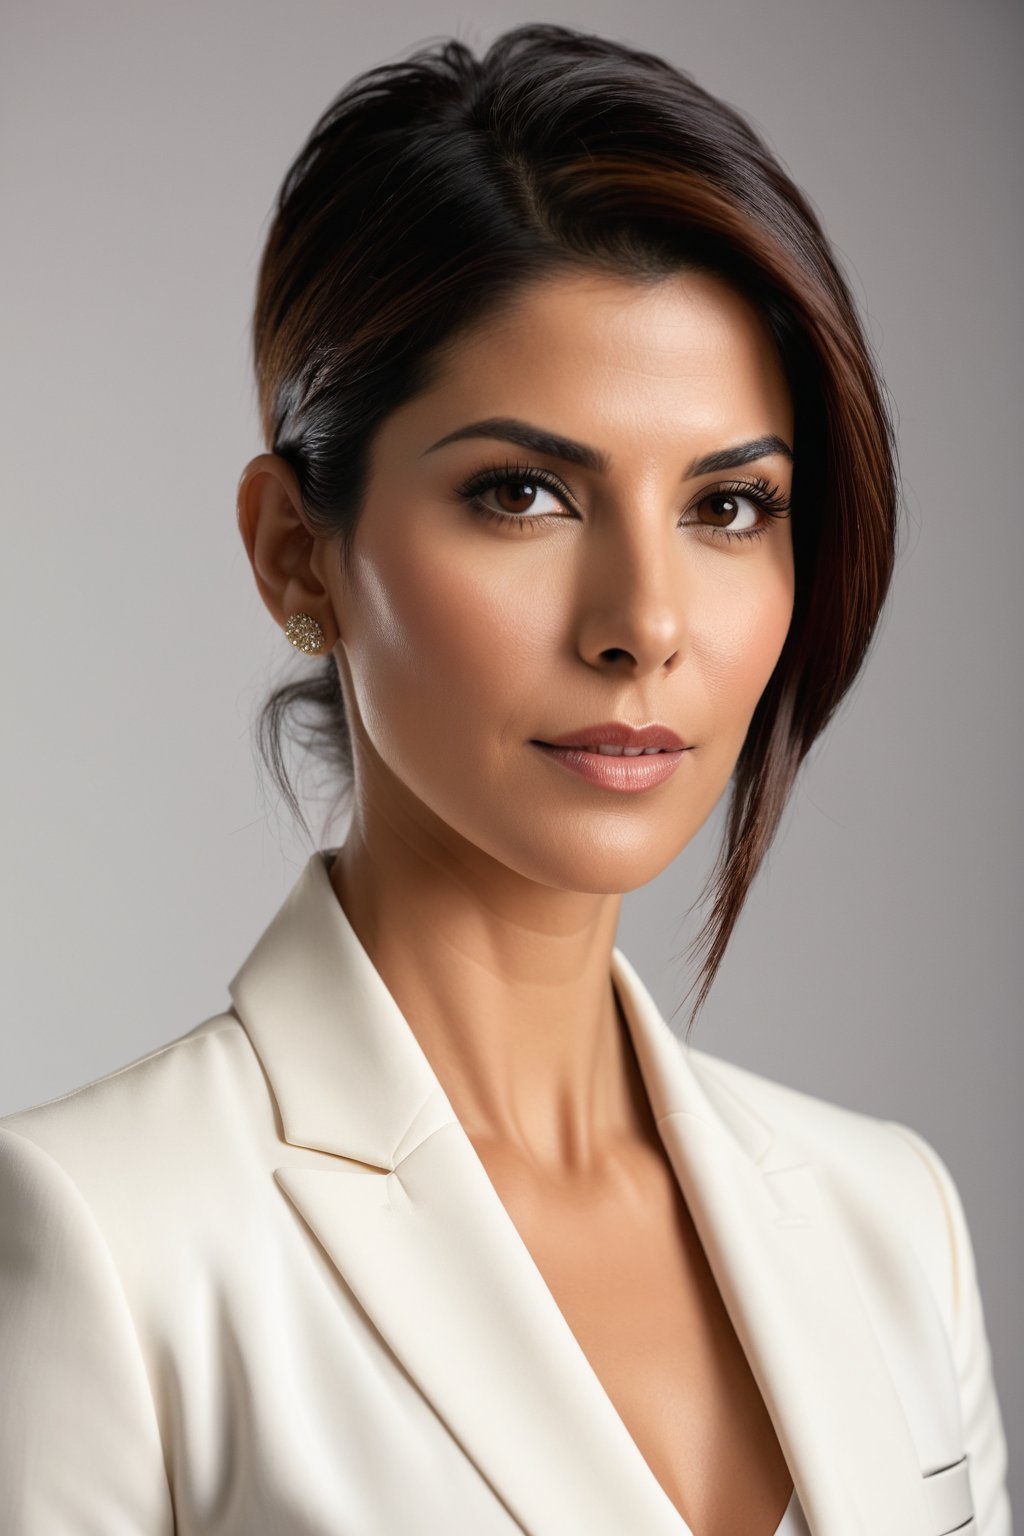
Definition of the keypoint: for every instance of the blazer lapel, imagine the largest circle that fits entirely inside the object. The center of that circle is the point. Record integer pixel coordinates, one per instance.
(403, 1207)
(405, 1210)
(780, 1266)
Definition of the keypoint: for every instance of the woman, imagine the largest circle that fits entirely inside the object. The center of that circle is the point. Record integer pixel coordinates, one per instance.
(580, 483)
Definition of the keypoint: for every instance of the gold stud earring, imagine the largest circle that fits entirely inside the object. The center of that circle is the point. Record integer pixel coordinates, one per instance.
(305, 634)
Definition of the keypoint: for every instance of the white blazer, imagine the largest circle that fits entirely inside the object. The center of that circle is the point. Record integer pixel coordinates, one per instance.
(258, 1283)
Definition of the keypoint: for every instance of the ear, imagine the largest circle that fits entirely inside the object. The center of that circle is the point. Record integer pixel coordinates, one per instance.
(284, 553)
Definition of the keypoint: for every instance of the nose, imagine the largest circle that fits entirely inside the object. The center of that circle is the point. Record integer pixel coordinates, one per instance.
(633, 597)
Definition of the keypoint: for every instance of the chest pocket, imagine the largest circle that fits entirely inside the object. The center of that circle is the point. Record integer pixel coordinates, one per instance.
(948, 1492)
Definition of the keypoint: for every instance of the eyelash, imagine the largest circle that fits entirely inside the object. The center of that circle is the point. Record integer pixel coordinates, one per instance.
(767, 497)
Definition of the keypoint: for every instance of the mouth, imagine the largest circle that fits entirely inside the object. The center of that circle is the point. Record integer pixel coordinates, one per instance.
(624, 769)
(610, 738)
(603, 749)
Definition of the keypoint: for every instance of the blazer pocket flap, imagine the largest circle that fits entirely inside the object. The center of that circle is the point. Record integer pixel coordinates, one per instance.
(948, 1492)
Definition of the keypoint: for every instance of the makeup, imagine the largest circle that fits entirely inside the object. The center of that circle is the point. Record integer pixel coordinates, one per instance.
(616, 772)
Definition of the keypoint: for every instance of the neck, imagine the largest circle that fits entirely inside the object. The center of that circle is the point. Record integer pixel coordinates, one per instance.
(507, 986)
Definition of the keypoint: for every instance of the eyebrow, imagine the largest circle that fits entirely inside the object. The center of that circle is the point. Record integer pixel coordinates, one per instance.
(510, 430)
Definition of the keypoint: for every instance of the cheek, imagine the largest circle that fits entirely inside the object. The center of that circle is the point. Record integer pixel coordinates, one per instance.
(737, 634)
(437, 647)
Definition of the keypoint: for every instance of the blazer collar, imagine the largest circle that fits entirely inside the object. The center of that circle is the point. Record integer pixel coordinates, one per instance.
(439, 1267)
(349, 1075)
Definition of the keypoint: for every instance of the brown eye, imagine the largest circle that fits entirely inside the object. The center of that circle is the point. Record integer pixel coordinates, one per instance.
(727, 509)
(515, 495)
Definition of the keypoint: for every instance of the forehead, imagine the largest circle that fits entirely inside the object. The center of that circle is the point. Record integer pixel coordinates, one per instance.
(686, 352)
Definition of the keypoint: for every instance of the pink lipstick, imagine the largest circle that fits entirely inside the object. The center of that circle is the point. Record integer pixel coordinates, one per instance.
(618, 756)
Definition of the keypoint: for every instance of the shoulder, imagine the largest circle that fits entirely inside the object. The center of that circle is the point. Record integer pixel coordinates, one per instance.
(213, 1058)
(882, 1179)
(168, 1127)
(834, 1135)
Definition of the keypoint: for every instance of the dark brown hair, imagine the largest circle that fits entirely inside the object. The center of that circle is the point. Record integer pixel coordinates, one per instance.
(428, 194)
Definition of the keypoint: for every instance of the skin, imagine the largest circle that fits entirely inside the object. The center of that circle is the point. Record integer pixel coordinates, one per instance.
(484, 879)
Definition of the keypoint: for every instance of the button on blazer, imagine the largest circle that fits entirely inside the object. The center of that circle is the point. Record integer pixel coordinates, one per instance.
(258, 1283)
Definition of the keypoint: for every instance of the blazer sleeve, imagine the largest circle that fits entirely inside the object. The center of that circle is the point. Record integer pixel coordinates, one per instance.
(80, 1449)
(984, 1438)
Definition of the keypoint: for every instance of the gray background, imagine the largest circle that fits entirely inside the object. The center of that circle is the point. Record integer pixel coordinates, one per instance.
(878, 961)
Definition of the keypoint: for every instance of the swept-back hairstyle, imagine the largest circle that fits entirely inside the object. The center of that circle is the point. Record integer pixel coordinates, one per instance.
(428, 194)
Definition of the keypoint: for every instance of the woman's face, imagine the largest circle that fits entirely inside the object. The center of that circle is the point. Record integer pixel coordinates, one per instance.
(502, 596)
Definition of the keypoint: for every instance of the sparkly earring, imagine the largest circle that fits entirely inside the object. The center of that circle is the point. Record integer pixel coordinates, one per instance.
(305, 634)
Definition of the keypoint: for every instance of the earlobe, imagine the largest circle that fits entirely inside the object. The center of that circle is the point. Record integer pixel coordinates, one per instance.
(280, 545)
(305, 634)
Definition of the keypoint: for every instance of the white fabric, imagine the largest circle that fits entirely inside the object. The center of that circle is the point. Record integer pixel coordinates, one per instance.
(258, 1283)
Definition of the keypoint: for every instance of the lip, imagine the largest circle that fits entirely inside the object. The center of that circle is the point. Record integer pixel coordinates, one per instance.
(642, 771)
(621, 773)
(614, 733)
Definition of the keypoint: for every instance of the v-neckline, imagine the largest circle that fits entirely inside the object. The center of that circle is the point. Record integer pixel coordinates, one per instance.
(630, 1446)
(478, 1330)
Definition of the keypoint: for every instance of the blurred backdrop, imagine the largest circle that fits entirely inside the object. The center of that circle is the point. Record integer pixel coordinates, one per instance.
(878, 962)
